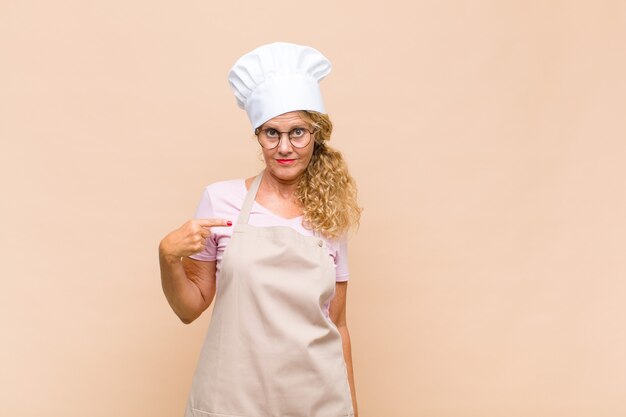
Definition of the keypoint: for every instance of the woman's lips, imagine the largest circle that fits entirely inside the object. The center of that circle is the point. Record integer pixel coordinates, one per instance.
(285, 161)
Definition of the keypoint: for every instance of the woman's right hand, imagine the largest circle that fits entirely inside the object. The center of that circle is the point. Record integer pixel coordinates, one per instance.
(190, 238)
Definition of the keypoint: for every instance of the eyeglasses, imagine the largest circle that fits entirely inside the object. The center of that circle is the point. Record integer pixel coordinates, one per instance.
(269, 138)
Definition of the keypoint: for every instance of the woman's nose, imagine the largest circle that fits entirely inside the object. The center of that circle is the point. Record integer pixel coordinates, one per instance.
(284, 146)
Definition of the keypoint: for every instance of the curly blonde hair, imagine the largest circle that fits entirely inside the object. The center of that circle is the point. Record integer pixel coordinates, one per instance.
(326, 190)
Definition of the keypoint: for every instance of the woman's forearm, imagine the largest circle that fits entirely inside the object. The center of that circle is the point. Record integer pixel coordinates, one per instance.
(347, 355)
(182, 294)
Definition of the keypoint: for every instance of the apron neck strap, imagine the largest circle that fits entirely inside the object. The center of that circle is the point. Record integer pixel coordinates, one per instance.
(247, 203)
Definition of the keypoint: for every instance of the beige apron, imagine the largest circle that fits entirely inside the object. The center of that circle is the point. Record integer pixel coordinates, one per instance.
(270, 351)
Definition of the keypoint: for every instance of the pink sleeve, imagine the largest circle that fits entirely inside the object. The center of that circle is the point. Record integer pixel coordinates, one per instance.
(205, 211)
(341, 260)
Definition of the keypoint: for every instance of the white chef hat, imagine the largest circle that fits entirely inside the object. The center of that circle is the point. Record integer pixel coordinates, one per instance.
(278, 78)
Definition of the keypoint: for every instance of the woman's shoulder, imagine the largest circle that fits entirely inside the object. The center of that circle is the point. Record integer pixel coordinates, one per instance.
(225, 195)
(226, 187)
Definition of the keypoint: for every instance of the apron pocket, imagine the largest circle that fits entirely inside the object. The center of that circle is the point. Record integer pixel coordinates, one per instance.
(200, 413)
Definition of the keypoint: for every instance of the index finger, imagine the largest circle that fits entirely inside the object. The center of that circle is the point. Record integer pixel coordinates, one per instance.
(214, 222)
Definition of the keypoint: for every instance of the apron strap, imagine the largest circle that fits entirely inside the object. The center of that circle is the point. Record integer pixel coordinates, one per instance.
(247, 203)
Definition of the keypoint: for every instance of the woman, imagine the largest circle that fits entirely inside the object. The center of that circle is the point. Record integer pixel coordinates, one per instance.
(278, 343)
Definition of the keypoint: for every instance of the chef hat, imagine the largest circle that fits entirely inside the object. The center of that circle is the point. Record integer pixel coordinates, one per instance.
(278, 78)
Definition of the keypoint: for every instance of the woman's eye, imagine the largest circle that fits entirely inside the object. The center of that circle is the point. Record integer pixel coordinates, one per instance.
(297, 132)
(272, 133)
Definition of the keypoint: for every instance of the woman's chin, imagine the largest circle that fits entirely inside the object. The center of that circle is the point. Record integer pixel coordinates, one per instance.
(286, 173)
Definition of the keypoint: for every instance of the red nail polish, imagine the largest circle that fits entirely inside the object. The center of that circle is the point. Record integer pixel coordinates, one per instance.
(229, 223)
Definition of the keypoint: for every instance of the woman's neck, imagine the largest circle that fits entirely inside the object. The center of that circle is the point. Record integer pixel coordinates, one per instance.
(286, 189)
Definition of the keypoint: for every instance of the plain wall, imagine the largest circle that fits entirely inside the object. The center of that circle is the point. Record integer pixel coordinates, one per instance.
(488, 142)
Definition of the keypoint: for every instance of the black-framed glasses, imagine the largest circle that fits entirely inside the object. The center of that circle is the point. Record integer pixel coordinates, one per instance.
(269, 138)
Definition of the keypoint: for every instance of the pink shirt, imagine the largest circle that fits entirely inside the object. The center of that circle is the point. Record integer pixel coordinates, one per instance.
(223, 200)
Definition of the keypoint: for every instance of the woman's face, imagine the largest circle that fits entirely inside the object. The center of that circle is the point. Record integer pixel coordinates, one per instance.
(286, 162)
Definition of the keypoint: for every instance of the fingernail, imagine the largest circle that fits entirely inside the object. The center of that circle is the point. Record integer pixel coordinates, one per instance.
(229, 223)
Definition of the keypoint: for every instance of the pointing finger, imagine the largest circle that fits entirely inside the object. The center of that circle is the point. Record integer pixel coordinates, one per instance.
(214, 222)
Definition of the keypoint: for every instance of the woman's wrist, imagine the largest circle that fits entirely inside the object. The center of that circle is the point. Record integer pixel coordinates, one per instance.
(166, 254)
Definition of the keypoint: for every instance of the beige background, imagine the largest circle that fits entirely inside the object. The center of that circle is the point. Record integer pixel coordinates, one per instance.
(487, 138)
